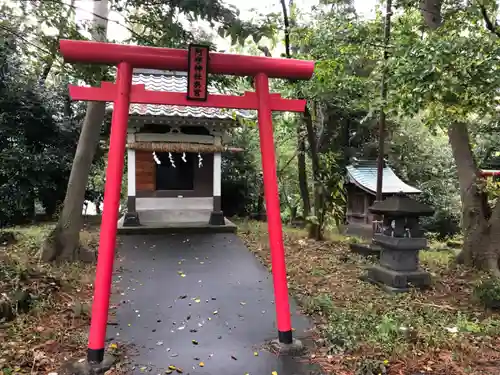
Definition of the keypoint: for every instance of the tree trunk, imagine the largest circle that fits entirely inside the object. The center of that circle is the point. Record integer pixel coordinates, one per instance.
(261, 207)
(64, 241)
(383, 97)
(302, 171)
(431, 11)
(493, 245)
(98, 207)
(301, 157)
(481, 228)
(315, 226)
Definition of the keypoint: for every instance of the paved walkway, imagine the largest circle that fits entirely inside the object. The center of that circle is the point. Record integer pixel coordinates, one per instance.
(202, 303)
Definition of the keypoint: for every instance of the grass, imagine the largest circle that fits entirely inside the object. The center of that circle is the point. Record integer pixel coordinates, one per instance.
(361, 330)
(54, 328)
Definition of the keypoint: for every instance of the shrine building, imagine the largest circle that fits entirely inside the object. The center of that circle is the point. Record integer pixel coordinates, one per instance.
(174, 157)
(361, 188)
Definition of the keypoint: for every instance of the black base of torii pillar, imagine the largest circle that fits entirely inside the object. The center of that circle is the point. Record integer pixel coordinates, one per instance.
(217, 216)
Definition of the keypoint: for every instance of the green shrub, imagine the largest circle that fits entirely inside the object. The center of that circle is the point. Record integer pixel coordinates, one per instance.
(488, 292)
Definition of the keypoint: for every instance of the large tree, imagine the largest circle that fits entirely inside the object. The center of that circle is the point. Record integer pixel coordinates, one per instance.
(63, 242)
(338, 96)
(451, 70)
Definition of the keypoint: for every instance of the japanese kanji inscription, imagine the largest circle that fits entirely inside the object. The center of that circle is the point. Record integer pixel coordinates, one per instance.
(197, 72)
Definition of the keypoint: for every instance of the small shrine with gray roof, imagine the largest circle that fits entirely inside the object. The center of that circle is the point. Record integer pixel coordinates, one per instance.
(361, 191)
(174, 157)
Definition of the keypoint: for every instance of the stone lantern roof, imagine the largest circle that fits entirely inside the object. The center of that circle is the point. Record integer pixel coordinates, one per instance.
(401, 205)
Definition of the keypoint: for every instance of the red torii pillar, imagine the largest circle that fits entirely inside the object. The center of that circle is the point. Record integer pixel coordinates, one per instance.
(122, 93)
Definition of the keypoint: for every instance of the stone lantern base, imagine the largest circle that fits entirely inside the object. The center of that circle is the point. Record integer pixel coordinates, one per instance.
(398, 281)
(401, 238)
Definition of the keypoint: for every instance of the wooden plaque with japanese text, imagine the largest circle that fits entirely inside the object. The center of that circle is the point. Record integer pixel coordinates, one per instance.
(197, 72)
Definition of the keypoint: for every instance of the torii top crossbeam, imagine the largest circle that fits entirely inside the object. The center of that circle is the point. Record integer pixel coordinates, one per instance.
(177, 59)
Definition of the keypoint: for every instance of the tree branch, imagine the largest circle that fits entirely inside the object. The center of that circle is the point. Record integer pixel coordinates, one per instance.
(492, 27)
(265, 51)
(287, 29)
(287, 163)
(55, 47)
(72, 5)
(12, 32)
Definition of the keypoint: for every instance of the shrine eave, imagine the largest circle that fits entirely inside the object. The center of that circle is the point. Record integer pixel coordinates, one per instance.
(365, 177)
(173, 82)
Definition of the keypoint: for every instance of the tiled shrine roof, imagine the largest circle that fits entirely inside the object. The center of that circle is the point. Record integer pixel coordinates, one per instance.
(176, 82)
(364, 175)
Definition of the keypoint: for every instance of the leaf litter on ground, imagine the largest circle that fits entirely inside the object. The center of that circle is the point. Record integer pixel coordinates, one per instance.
(56, 321)
(357, 325)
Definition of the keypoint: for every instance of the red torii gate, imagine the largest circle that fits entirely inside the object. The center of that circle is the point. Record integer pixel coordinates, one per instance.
(198, 62)
(489, 173)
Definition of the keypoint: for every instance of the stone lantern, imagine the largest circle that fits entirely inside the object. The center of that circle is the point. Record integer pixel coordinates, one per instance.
(401, 240)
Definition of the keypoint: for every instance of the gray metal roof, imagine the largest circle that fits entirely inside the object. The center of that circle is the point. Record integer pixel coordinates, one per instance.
(157, 80)
(364, 175)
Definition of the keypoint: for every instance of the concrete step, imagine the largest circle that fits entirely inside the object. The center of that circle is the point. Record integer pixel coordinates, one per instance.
(175, 221)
